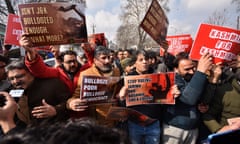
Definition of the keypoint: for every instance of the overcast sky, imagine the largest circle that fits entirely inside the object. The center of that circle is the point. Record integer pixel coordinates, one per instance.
(184, 16)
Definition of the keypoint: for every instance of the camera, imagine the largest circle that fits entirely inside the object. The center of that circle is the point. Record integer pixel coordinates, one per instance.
(2, 100)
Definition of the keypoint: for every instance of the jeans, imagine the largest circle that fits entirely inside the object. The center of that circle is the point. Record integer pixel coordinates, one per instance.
(149, 134)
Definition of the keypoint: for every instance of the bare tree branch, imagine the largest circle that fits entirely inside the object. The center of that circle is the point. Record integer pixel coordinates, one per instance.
(132, 14)
(218, 17)
(237, 2)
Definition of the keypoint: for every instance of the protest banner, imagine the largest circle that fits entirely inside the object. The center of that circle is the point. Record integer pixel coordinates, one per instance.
(221, 42)
(97, 39)
(155, 22)
(13, 30)
(179, 43)
(117, 113)
(98, 89)
(150, 89)
(53, 23)
(123, 113)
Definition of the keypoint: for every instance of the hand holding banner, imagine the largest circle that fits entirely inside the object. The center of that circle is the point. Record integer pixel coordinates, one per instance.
(221, 42)
(150, 89)
(97, 89)
(53, 23)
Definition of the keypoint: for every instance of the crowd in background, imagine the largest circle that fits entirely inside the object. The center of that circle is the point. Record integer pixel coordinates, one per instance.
(49, 110)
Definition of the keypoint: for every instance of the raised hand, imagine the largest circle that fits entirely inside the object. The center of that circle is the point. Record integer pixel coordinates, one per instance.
(205, 63)
(26, 43)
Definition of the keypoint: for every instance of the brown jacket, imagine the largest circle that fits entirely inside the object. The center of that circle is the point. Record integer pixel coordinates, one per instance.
(53, 91)
(98, 112)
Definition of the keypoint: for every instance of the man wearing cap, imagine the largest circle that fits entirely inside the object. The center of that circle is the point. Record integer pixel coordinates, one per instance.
(68, 71)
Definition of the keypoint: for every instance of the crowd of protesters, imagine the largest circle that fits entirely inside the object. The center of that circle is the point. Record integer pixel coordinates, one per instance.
(206, 95)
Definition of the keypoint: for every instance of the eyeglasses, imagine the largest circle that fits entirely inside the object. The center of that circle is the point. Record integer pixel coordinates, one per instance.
(71, 61)
(16, 77)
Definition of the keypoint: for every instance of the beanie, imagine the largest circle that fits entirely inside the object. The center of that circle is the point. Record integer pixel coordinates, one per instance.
(126, 62)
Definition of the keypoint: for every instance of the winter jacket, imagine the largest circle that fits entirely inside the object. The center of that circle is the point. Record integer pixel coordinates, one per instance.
(184, 113)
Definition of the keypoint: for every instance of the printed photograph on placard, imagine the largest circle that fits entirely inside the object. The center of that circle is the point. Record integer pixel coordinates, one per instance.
(53, 23)
(150, 89)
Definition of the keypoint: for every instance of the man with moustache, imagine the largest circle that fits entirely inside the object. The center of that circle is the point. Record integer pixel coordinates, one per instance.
(181, 120)
(42, 99)
(102, 66)
(68, 71)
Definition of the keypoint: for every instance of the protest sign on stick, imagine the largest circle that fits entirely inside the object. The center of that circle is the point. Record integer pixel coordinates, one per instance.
(150, 89)
(53, 23)
(221, 42)
(155, 22)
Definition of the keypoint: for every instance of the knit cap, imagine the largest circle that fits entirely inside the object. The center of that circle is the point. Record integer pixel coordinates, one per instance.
(126, 62)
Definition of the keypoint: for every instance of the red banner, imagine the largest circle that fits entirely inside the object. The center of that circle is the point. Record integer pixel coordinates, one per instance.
(150, 89)
(223, 43)
(13, 30)
(97, 39)
(179, 43)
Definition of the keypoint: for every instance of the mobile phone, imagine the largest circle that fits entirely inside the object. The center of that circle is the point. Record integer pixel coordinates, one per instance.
(16, 93)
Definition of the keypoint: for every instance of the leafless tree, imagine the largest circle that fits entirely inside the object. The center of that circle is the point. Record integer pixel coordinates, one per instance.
(218, 17)
(133, 12)
(237, 2)
(125, 37)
